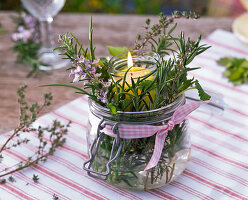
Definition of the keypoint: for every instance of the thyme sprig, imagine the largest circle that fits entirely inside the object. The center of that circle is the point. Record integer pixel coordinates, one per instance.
(160, 29)
(47, 145)
(171, 80)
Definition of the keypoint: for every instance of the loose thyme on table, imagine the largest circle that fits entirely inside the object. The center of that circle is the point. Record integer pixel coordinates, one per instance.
(28, 115)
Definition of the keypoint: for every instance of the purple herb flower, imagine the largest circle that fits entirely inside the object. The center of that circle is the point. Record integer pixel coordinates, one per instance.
(81, 60)
(29, 20)
(23, 34)
(15, 37)
(103, 96)
(20, 29)
(88, 66)
(91, 69)
(105, 84)
(27, 32)
(96, 61)
(79, 74)
(97, 75)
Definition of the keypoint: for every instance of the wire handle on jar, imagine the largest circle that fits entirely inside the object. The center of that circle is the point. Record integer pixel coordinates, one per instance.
(94, 149)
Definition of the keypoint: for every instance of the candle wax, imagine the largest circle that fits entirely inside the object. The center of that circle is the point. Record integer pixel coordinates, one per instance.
(135, 73)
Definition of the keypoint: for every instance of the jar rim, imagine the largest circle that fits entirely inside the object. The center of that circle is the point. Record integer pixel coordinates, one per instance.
(178, 100)
(113, 61)
(125, 52)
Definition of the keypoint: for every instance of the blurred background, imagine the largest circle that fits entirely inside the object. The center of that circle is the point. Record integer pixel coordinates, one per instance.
(215, 8)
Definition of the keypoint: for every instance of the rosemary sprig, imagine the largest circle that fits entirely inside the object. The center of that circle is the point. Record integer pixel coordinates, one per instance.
(93, 72)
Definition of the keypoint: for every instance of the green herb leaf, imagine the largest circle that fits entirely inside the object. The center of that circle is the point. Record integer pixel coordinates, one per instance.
(224, 61)
(11, 179)
(55, 197)
(1, 158)
(202, 94)
(35, 178)
(236, 74)
(117, 50)
(2, 181)
(92, 49)
(112, 108)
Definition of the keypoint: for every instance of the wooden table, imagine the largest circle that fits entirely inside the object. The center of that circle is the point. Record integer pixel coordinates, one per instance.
(116, 30)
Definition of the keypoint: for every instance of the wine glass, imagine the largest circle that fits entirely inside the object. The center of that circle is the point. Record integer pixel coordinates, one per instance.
(45, 10)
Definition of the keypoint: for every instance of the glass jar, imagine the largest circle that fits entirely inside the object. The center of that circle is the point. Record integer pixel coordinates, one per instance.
(127, 171)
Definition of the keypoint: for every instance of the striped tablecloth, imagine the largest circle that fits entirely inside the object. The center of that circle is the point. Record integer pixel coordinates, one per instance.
(218, 168)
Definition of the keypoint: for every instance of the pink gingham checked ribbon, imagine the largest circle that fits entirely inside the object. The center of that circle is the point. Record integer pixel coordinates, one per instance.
(128, 131)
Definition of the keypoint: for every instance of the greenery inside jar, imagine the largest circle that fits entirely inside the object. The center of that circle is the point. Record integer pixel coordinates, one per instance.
(144, 91)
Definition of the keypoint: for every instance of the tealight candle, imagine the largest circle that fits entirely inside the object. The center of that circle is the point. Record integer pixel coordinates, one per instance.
(144, 64)
(133, 72)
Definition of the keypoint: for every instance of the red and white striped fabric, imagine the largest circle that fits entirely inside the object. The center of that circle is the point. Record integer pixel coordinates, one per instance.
(218, 168)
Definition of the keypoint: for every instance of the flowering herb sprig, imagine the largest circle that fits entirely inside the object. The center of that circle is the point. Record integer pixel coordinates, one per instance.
(45, 148)
(170, 75)
(27, 42)
(165, 40)
(86, 68)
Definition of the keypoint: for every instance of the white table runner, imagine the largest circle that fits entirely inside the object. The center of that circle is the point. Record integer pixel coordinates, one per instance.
(218, 168)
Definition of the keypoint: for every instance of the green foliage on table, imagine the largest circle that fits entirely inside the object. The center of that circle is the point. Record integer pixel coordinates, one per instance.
(236, 69)
(202, 94)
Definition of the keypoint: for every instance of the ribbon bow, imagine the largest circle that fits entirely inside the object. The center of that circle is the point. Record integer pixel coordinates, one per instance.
(128, 131)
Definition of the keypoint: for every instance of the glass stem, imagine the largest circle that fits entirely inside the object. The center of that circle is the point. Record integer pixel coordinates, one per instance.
(47, 35)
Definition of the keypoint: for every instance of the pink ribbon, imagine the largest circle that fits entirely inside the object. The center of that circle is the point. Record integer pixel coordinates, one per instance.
(142, 131)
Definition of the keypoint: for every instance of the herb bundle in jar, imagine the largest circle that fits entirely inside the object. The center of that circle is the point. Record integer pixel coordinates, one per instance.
(137, 131)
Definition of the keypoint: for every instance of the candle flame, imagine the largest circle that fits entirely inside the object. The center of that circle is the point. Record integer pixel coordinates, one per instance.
(129, 60)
